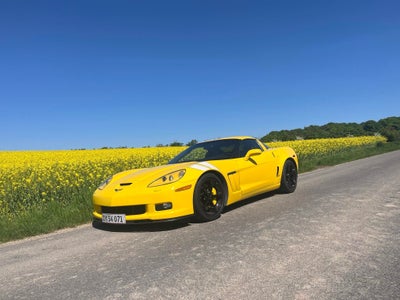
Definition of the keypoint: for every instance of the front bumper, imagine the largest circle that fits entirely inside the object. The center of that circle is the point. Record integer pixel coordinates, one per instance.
(149, 205)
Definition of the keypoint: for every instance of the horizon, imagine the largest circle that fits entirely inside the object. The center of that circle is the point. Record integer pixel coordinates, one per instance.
(104, 147)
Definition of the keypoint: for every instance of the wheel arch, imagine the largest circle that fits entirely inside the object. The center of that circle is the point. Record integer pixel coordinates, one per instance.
(285, 186)
(293, 160)
(204, 207)
(282, 165)
(285, 154)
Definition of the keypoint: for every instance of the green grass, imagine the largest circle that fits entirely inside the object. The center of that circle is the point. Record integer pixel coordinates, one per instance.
(52, 216)
(46, 218)
(312, 163)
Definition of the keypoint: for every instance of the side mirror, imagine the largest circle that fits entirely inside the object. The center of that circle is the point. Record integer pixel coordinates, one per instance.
(251, 153)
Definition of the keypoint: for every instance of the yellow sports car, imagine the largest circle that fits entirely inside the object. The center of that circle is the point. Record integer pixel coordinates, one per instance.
(199, 182)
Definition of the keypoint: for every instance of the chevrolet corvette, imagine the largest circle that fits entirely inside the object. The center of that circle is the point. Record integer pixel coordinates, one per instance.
(199, 182)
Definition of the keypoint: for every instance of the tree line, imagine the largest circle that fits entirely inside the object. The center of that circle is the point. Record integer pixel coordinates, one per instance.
(388, 127)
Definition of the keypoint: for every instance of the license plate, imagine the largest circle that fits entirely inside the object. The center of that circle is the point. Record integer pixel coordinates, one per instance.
(114, 218)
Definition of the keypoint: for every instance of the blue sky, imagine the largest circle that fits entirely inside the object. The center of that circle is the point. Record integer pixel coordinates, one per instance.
(87, 74)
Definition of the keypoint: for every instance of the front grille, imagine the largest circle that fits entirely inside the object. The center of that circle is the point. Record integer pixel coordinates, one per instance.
(127, 210)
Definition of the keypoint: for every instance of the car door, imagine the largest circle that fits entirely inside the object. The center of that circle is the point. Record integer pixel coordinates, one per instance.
(257, 167)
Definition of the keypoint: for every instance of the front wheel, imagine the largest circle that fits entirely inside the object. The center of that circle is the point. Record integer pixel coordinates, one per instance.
(209, 197)
(289, 177)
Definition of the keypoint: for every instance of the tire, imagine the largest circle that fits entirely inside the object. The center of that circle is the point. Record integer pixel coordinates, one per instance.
(209, 199)
(289, 177)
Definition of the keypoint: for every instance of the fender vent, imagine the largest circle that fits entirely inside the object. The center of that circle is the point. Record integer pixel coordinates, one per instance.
(125, 183)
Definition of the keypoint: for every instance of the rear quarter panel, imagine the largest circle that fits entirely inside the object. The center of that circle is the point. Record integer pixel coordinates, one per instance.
(284, 153)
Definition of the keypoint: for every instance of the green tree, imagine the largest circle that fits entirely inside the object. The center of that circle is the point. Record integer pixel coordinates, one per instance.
(389, 127)
(176, 144)
(191, 143)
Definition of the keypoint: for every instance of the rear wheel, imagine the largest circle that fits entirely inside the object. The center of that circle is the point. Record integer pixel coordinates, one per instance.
(289, 177)
(209, 197)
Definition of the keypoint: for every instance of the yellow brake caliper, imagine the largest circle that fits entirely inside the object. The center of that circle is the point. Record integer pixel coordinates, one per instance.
(214, 193)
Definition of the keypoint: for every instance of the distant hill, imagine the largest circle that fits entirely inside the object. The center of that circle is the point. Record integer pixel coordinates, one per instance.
(388, 127)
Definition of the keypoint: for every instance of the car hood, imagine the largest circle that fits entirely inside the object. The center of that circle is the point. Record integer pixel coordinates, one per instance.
(151, 173)
(147, 175)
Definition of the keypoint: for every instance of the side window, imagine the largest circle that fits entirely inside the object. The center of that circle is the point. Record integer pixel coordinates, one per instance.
(247, 145)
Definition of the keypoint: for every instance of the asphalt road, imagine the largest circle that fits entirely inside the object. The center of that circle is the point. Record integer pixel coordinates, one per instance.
(336, 237)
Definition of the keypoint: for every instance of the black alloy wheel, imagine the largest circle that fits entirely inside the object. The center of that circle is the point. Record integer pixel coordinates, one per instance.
(209, 197)
(289, 177)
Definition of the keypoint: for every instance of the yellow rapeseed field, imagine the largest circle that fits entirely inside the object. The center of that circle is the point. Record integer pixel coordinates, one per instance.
(317, 147)
(31, 178)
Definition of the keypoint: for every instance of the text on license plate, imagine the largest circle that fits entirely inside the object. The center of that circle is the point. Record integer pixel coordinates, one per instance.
(114, 218)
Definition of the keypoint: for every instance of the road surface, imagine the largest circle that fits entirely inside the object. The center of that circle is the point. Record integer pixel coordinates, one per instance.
(336, 237)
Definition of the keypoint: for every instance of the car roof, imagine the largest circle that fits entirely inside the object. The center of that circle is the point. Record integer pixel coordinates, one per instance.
(239, 137)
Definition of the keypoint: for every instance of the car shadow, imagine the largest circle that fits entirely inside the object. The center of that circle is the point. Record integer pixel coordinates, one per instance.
(142, 227)
(248, 201)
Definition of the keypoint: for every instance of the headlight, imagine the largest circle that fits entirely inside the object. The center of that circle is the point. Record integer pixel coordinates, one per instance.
(168, 178)
(104, 183)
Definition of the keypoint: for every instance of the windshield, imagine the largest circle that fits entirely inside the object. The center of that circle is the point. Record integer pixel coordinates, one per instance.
(213, 150)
